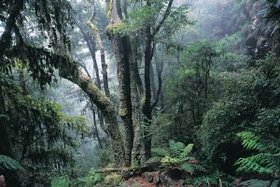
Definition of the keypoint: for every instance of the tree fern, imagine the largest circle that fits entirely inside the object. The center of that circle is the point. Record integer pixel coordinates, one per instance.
(7, 163)
(177, 154)
(265, 161)
(161, 152)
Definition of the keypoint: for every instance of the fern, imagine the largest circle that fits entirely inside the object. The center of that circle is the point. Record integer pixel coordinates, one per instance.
(161, 152)
(7, 163)
(212, 179)
(62, 181)
(265, 161)
(91, 179)
(258, 163)
(251, 141)
(260, 183)
(186, 151)
(188, 167)
(177, 154)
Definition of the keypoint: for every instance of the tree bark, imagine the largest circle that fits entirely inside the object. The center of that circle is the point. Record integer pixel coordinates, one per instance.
(90, 44)
(96, 132)
(136, 113)
(122, 50)
(147, 110)
(102, 55)
(150, 33)
(103, 103)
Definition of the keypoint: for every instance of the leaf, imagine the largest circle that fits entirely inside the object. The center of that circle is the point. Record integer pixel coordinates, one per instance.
(161, 152)
(251, 141)
(187, 167)
(259, 183)
(186, 151)
(176, 147)
(8, 163)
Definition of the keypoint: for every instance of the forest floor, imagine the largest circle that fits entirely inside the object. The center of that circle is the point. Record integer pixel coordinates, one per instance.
(160, 177)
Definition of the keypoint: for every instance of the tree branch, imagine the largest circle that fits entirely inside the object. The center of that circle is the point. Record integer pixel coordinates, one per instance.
(159, 74)
(165, 16)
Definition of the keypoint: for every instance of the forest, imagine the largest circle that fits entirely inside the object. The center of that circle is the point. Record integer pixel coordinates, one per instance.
(140, 93)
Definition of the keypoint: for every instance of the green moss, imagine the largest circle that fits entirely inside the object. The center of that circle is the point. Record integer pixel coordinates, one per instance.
(116, 28)
(113, 179)
(109, 9)
(122, 111)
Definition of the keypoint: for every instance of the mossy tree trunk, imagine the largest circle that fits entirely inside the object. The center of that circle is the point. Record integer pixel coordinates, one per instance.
(106, 107)
(136, 92)
(91, 46)
(122, 50)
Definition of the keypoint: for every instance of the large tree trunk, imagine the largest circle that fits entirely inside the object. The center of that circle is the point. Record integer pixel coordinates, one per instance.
(122, 50)
(106, 107)
(136, 91)
(147, 109)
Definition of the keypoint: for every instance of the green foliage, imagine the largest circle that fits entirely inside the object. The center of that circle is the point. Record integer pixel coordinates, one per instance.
(177, 154)
(229, 57)
(141, 17)
(40, 132)
(260, 183)
(267, 159)
(113, 179)
(7, 163)
(103, 158)
(91, 179)
(61, 181)
(194, 90)
(248, 102)
(213, 179)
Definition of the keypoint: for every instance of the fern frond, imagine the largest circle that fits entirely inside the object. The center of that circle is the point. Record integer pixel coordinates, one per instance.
(176, 147)
(186, 151)
(167, 160)
(187, 167)
(198, 168)
(251, 142)
(267, 161)
(161, 152)
(154, 159)
(8, 163)
(257, 163)
(260, 183)
(187, 159)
